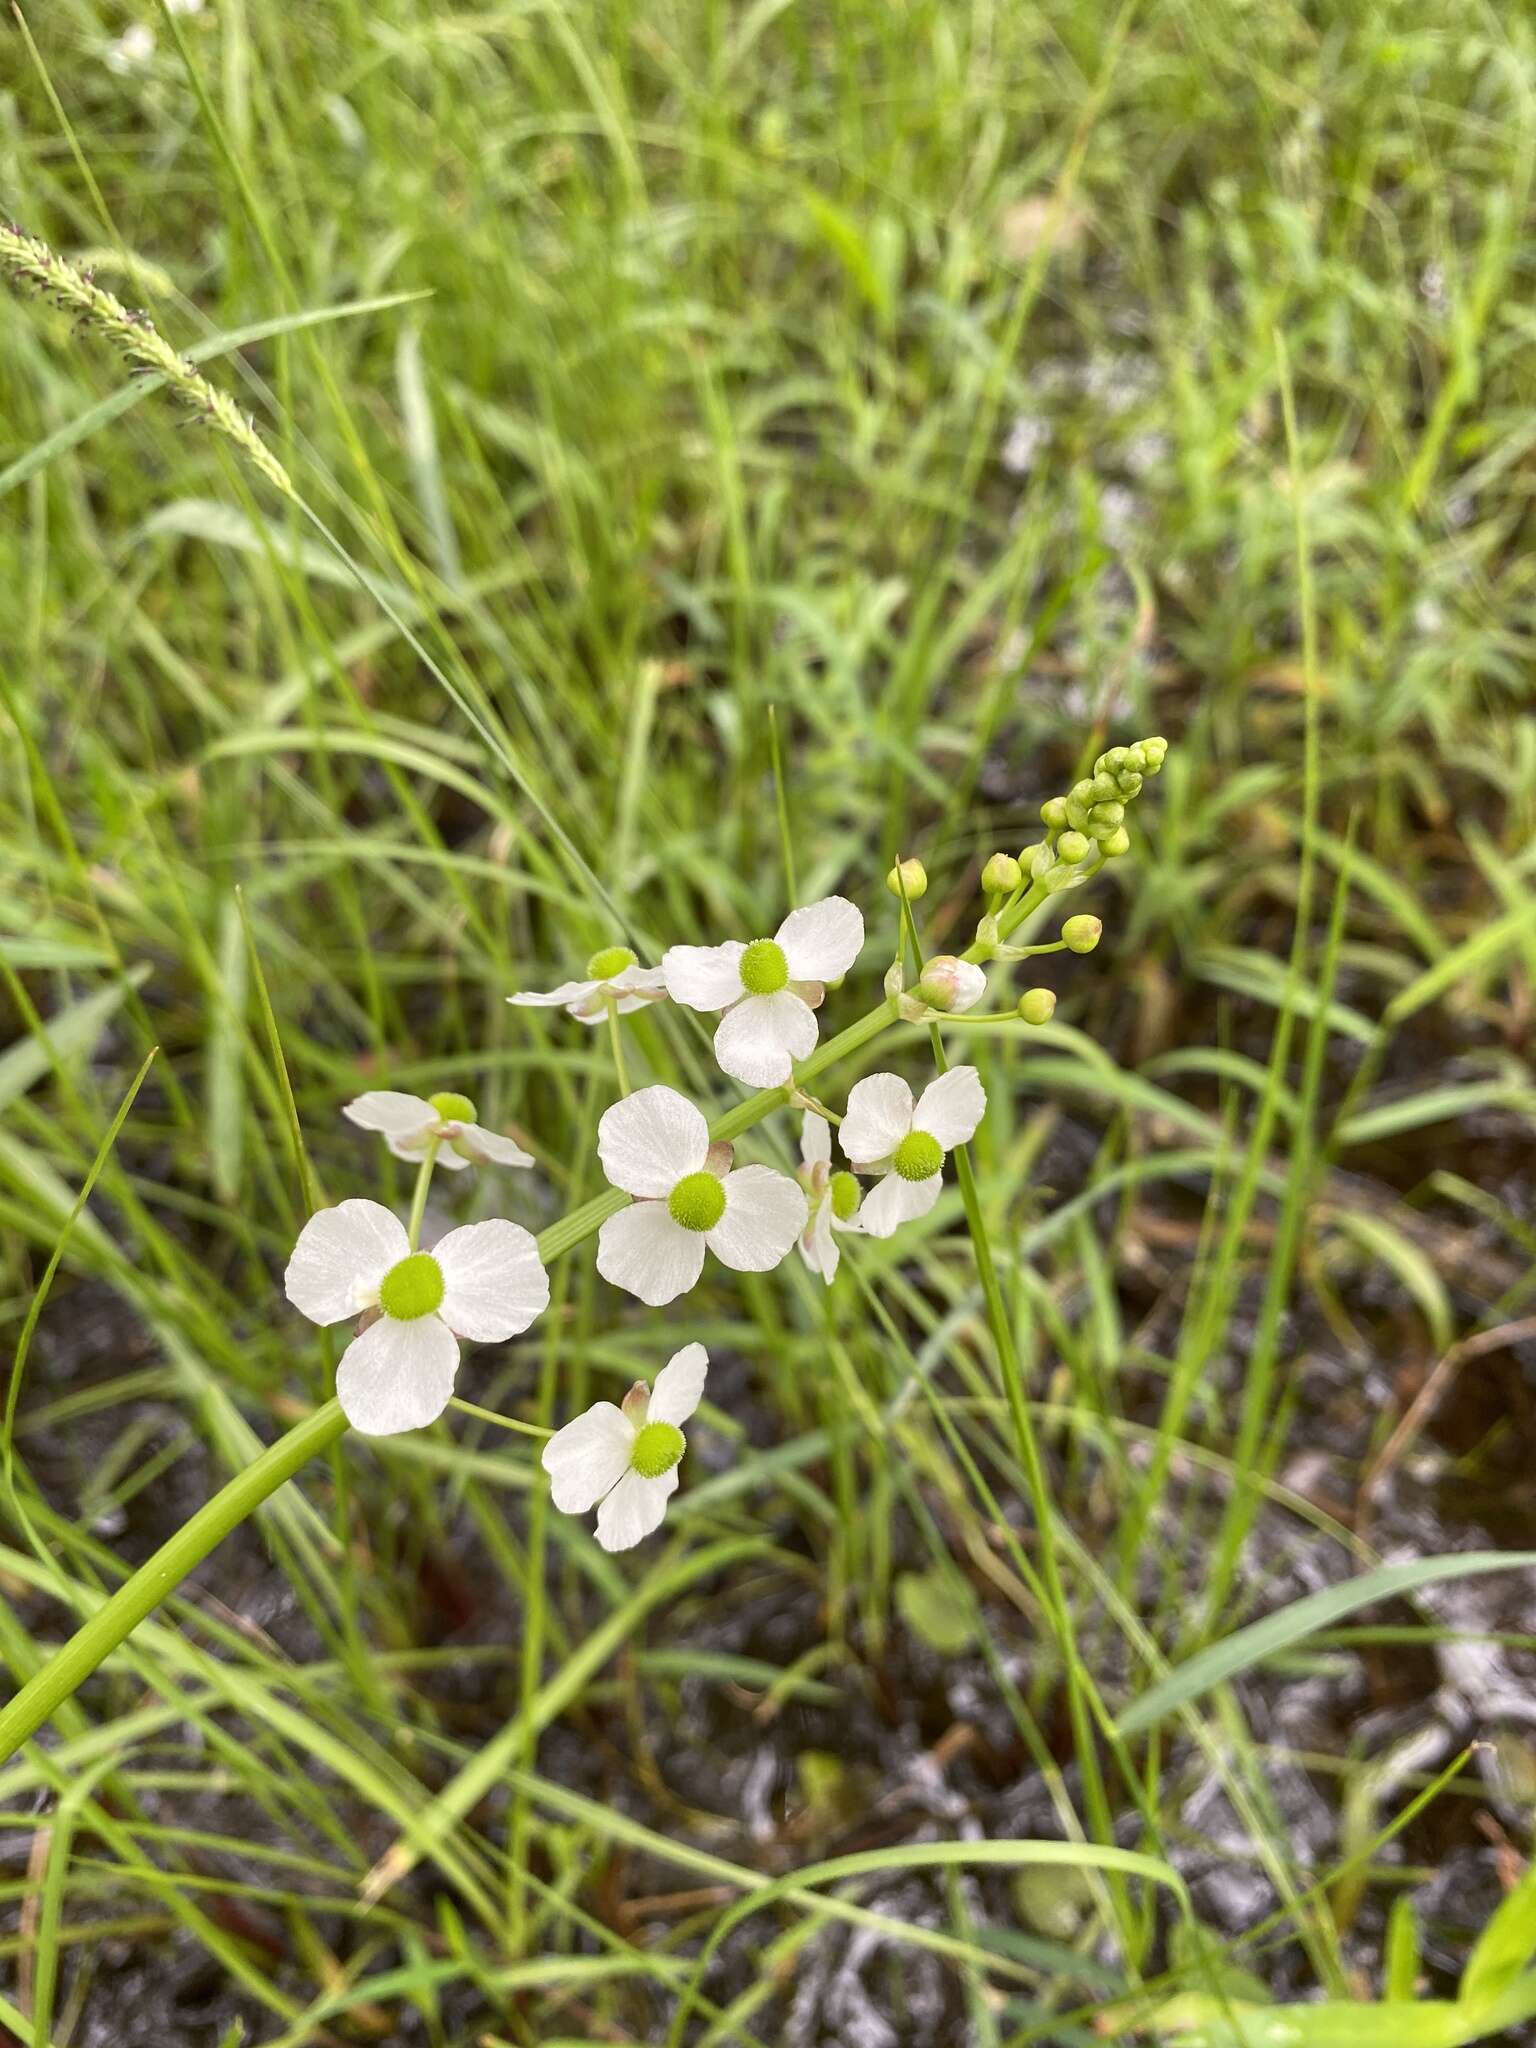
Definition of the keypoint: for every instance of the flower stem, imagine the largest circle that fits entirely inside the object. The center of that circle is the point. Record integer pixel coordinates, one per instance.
(419, 1195)
(616, 1040)
(67, 1670)
(501, 1421)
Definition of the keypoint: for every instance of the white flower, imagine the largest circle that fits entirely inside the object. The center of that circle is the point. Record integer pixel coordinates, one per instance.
(655, 1145)
(834, 1198)
(885, 1132)
(483, 1282)
(769, 989)
(615, 977)
(948, 986)
(627, 1457)
(409, 1125)
(133, 49)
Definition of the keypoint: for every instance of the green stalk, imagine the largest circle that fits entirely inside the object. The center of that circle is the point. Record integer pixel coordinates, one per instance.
(68, 1669)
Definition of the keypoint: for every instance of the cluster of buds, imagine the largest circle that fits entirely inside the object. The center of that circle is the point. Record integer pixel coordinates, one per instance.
(1087, 826)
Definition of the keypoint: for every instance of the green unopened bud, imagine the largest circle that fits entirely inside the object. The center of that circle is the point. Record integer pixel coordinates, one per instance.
(1054, 812)
(1112, 762)
(1037, 1005)
(1116, 844)
(1073, 847)
(1035, 859)
(1156, 751)
(908, 877)
(1082, 934)
(1129, 784)
(1083, 793)
(1077, 814)
(1105, 789)
(1001, 875)
(1105, 818)
(1136, 759)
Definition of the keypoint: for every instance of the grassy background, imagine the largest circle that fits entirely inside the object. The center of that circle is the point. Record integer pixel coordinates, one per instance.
(916, 372)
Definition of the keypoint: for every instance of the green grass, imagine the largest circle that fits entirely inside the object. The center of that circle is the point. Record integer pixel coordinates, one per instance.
(651, 381)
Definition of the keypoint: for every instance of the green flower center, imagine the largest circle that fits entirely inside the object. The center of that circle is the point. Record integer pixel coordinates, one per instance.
(413, 1288)
(919, 1156)
(845, 1196)
(453, 1109)
(764, 970)
(657, 1448)
(610, 961)
(697, 1202)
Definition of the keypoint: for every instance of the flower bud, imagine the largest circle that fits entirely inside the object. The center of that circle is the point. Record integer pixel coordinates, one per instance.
(950, 985)
(1034, 860)
(1129, 784)
(909, 877)
(1037, 1005)
(1002, 875)
(1136, 758)
(1082, 933)
(1073, 847)
(1105, 789)
(1054, 812)
(1104, 818)
(1112, 762)
(1116, 844)
(1156, 751)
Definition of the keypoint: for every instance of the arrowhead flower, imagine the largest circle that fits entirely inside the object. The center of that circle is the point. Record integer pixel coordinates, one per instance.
(483, 1282)
(886, 1132)
(623, 1461)
(614, 977)
(833, 1198)
(655, 1146)
(410, 1123)
(769, 990)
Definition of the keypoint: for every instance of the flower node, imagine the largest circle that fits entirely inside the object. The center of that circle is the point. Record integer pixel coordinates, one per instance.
(697, 1202)
(844, 1189)
(610, 961)
(657, 1448)
(453, 1109)
(412, 1288)
(919, 1156)
(764, 970)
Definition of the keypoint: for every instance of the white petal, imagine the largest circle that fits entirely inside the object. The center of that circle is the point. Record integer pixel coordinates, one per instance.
(704, 977)
(637, 981)
(757, 1040)
(397, 1375)
(818, 1247)
(550, 999)
(822, 941)
(878, 1117)
(651, 1140)
(643, 1251)
(679, 1386)
(633, 1509)
(588, 1457)
(450, 1160)
(895, 1201)
(764, 1213)
(341, 1251)
(385, 1109)
(970, 986)
(493, 1283)
(490, 1147)
(951, 1107)
(815, 1139)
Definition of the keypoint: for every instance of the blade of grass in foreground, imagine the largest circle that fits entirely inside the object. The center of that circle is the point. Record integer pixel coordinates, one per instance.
(1276, 1632)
